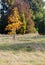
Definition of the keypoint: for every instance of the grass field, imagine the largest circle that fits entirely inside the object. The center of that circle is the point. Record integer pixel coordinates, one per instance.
(28, 49)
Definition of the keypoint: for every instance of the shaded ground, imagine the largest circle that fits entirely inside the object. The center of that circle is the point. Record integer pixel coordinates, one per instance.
(24, 50)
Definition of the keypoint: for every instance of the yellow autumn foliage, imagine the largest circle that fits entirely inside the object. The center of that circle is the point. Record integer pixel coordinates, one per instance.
(14, 22)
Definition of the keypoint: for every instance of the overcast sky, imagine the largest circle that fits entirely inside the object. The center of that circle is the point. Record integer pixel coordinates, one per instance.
(43, 0)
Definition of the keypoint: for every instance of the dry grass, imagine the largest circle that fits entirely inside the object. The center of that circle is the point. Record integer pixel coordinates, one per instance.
(24, 50)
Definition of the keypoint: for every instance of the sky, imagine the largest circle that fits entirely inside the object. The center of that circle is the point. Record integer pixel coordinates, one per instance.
(43, 0)
(44, 5)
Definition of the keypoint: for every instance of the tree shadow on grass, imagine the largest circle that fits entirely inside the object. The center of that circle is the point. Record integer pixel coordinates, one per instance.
(24, 46)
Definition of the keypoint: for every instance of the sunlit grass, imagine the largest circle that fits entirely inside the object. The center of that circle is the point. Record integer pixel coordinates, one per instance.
(22, 51)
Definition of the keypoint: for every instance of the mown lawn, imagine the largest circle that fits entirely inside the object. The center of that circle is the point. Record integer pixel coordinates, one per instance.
(24, 50)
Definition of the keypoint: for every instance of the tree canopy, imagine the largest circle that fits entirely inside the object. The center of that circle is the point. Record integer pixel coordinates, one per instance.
(30, 12)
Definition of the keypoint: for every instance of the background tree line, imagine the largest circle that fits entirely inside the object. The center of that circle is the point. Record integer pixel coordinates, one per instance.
(22, 16)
